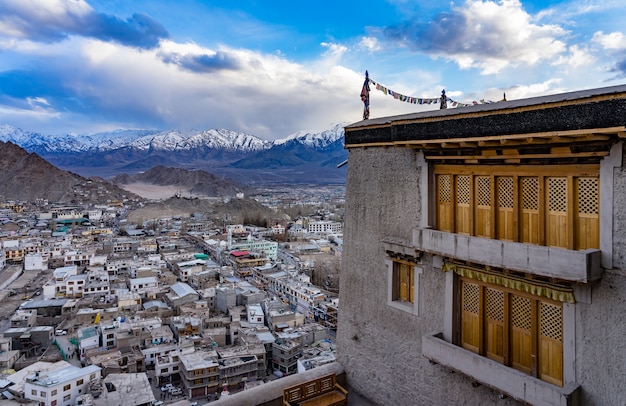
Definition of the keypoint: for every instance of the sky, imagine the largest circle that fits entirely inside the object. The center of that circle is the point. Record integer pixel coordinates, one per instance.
(273, 68)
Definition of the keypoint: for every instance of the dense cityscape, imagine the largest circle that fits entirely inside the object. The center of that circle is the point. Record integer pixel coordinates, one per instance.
(186, 307)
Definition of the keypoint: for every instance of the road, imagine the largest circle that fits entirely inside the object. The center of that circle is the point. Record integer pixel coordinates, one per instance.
(26, 284)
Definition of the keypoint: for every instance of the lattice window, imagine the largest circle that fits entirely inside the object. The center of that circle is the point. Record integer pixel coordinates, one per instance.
(495, 304)
(463, 189)
(522, 331)
(505, 192)
(551, 321)
(471, 294)
(588, 195)
(557, 209)
(445, 188)
(530, 193)
(557, 194)
(483, 192)
(521, 311)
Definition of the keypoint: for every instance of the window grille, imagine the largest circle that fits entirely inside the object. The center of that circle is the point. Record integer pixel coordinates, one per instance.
(558, 207)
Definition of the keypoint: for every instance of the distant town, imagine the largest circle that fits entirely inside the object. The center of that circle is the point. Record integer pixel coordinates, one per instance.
(101, 307)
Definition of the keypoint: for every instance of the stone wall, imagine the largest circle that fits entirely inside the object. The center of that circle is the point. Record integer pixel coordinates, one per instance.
(380, 346)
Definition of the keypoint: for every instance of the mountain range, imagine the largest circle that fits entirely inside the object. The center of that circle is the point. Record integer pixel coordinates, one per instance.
(298, 159)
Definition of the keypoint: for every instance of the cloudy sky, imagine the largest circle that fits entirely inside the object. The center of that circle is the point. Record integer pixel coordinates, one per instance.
(272, 68)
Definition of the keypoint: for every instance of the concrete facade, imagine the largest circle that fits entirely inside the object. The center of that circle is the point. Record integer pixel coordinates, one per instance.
(402, 356)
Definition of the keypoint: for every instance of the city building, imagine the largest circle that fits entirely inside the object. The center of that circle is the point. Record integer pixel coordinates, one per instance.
(199, 373)
(496, 252)
(60, 387)
(325, 226)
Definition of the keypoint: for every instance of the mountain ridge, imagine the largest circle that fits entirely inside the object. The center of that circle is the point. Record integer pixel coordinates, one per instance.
(27, 176)
(303, 157)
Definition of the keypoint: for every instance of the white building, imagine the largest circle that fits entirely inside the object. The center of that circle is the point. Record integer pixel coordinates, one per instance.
(56, 287)
(278, 229)
(60, 387)
(330, 227)
(88, 338)
(75, 286)
(34, 262)
(187, 269)
(94, 214)
(141, 284)
(256, 317)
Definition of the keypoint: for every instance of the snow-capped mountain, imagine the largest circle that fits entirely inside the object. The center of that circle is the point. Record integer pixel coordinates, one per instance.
(220, 151)
(315, 140)
(170, 140)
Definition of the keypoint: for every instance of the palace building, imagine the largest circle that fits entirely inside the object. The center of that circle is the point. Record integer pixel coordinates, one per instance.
(484, 255)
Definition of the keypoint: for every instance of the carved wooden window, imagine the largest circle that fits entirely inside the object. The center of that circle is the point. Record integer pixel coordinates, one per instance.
(522, 331)
(552, 206)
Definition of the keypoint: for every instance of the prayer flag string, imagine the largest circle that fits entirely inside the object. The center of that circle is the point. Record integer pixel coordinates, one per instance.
(443, 100)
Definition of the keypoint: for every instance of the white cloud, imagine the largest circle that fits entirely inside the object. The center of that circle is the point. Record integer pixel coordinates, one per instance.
(371, 44)
(577, 57)
(19, 18)
(336, 50)
(265, 95)
(498, 34)
(612, 41)
(549, 86)
(486, 35)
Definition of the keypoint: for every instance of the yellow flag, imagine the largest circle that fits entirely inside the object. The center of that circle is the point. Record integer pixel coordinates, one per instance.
(97, 319)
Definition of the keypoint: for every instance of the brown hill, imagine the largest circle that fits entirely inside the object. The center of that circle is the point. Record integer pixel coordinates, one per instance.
(196, 182)
(26, 177)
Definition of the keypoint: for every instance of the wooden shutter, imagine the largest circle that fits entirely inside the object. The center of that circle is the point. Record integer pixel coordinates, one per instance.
(551, 343)
(556, 220)
(405, 278)
(521, 333)
(483, 206)
(505, 214)
(530, 210)
(494, 323)
(463, 206)
(470, 316)
(445, 206)
(587, 213)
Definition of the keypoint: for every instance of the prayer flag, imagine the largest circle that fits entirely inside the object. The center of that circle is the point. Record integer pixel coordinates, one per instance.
(365, 97)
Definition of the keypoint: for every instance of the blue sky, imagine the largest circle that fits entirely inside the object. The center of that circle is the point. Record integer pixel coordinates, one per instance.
(272, 68)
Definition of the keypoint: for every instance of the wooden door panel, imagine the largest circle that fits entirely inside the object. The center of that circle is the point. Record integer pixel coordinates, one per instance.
(529, 207)
(470, 319)
(494, 320)
(506, 200)
(551, 343)
(463, 205)
(445, 207)
(521, 334)
(483, 204)
(506, 228)
(557, 215)
(587, 230)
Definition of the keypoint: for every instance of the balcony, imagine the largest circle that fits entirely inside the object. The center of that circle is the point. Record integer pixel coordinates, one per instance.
(506, 380)
(577, 266)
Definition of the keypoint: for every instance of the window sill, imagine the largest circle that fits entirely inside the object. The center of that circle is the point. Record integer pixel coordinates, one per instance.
(577, 266)
(508, 381)
(407, 307)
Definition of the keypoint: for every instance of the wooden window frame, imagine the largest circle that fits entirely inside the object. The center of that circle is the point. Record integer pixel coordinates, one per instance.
(582, 231)
(482, 339)
(394, 300)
